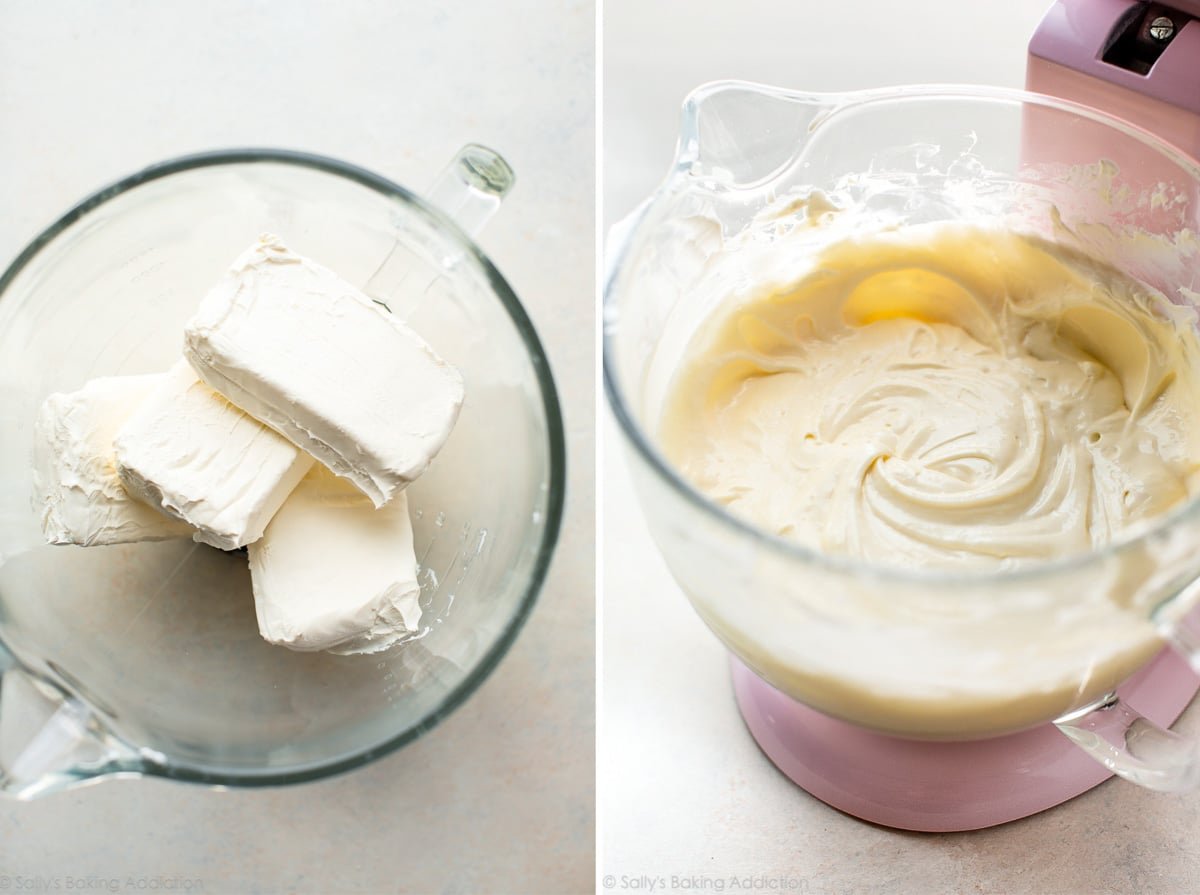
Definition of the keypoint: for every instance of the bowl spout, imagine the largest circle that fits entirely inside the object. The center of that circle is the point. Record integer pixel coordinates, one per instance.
(50, 740)
(740, 135)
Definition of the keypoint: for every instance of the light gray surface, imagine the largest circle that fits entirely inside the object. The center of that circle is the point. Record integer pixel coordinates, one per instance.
(500, 796)
(685, 790)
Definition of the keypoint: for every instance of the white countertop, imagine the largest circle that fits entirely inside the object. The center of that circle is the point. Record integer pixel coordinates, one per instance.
(500, 796)
(685, 790)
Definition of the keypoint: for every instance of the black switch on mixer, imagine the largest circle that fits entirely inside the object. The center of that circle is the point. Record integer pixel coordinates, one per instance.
(1141, 37)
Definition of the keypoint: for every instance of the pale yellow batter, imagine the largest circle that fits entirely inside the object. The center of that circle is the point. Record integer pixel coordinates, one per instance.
(946, 397)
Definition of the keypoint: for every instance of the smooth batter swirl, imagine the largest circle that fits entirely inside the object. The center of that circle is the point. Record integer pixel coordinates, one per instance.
(935, 396)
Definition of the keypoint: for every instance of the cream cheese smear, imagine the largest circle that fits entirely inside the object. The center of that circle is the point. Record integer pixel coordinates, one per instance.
(942, 396)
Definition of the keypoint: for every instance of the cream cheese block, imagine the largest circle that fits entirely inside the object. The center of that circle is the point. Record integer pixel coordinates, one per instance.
(196, 457)
(81, 497)
(334, 573)
(312, 357)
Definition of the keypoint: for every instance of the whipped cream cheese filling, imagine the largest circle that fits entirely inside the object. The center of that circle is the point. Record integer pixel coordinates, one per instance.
(334, 573)
(81, 497)
(189, 453)
(942, 396)
(312, 357)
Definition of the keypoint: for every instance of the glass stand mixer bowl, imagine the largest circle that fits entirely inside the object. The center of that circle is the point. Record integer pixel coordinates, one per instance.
(920, 699)
(145, 658)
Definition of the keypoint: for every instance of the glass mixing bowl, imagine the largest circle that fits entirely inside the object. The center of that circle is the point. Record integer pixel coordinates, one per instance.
(917, 654)
(145, 658)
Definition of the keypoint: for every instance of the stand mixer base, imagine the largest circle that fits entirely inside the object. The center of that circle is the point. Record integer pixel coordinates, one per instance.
(940, 787)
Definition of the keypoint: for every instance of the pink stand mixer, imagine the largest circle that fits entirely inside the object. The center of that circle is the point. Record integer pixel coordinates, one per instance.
(1138, 61)
(1133, 60)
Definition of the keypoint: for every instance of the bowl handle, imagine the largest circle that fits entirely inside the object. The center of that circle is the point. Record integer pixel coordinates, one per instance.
(1134, 747)
(50, 740)
(471, 187)
(1131, 745)
(469, 191)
